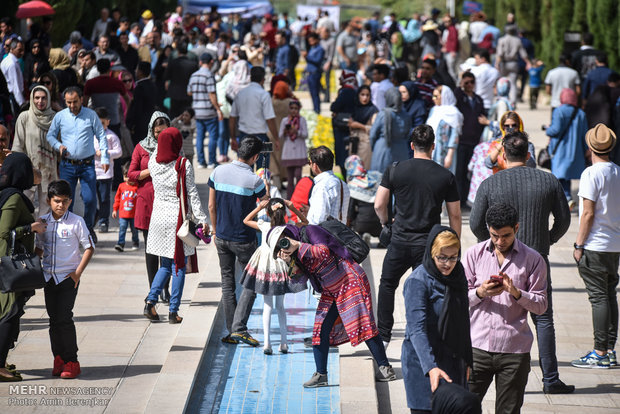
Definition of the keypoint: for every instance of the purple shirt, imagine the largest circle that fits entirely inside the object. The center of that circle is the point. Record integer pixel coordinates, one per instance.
(499, 323)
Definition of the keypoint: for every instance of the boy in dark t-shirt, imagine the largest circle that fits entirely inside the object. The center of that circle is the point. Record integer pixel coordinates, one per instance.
(420, 187)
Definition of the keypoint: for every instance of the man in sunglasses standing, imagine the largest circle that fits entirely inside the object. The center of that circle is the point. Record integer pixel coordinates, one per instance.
(535, 194)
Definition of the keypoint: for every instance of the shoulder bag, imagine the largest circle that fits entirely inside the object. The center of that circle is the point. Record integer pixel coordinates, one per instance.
(545, 156)
(187, 231)
(20, 271)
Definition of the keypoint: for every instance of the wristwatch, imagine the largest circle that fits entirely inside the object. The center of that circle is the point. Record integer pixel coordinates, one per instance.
(578, 246)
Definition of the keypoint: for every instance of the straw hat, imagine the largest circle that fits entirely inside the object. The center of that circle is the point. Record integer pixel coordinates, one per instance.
(146, 14)
(429, 25)
(601, 139)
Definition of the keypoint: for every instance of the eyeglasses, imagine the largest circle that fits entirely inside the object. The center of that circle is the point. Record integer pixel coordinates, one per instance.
(127, 80)
(446, 259)
(510, 126)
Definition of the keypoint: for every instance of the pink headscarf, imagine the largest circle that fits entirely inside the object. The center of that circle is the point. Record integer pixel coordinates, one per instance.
(568, 97)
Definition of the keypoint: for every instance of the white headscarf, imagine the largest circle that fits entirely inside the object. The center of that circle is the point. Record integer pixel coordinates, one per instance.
(447, 112)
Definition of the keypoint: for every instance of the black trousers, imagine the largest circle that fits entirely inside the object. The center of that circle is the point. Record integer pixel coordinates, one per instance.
(9, 326)
(510, 372)
(152, 261)
(59, 301)
(464, 153)
(397, 260)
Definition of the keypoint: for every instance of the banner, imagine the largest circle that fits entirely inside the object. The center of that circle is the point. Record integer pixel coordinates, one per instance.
(311, 12)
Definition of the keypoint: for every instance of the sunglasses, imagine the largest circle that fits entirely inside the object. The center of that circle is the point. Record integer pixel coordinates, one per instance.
(127, 80)
(511, 126)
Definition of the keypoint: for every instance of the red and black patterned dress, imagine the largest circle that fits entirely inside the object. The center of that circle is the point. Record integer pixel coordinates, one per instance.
(345, 283)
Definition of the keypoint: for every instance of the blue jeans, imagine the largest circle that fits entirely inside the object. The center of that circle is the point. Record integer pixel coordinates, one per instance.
(352, 66)
(178, 281)
(122, 229)
(211, 126)
(88, 180)
(103, 195)
(314, 85)
(545, 334)
(566, 187)
(224, 140)
(263, 157)
(321, 351)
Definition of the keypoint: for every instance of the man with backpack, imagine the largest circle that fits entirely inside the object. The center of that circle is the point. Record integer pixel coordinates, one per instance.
(419, 186)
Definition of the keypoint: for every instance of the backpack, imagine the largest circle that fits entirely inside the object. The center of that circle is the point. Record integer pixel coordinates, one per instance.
(347, 238)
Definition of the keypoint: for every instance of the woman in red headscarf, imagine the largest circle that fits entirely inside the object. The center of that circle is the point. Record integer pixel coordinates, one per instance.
(567, 144)
(173, 183)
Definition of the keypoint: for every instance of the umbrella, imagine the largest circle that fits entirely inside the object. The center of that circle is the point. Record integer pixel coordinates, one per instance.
(34, 8)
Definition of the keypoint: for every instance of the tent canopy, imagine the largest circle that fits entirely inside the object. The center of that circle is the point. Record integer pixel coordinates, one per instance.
(246, 8)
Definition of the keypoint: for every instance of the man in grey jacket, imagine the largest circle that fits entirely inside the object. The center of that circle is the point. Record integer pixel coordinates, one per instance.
(535, 194)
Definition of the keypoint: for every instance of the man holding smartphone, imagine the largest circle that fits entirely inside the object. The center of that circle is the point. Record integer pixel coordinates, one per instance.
(506, 280)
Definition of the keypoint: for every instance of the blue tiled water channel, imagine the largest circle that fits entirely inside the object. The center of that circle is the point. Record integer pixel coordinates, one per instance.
(235, 379)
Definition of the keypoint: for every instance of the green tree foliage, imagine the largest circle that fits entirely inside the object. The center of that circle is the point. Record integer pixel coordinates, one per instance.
(546, 21)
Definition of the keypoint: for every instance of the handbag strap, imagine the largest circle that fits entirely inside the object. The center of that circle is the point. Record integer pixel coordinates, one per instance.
(13, 237)
(565, 130)
(182, 199)
(341, 196)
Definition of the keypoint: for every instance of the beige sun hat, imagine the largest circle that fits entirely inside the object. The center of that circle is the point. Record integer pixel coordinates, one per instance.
(601, 139)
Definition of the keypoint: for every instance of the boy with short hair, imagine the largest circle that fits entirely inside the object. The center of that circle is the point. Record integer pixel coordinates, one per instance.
(63, 266)
(125, 209)
(104, 178)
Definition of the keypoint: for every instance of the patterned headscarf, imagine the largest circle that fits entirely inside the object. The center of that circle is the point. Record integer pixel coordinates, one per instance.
(150, 143)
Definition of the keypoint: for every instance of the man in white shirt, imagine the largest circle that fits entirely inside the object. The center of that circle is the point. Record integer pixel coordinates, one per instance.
(559, 78)
(253, 110)
(13, 72)
(597, 248)
(380, 85)
(486, 76)
(330, 196)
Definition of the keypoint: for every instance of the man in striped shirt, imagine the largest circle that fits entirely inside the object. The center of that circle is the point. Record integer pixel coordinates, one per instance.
(201, 88)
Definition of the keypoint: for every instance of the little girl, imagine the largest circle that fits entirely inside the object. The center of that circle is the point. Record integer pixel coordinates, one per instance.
(267, 275)
(293, 131)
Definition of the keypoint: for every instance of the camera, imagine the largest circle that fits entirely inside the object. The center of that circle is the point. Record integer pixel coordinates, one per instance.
(287, 126)
(267, 147)
(284, 243)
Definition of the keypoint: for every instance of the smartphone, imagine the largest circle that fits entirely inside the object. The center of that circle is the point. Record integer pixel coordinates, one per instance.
(497, 279)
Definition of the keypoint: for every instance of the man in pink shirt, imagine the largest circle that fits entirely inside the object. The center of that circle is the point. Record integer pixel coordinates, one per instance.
(506, 280)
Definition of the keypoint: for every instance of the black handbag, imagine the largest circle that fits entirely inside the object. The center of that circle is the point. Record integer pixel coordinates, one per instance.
(20, 271)
(341, 120)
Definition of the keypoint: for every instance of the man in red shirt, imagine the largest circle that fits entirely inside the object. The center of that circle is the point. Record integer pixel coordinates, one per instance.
(450, 48)
(106, 91)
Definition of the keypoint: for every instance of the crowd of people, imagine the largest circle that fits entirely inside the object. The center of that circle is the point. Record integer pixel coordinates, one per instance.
(424, 125)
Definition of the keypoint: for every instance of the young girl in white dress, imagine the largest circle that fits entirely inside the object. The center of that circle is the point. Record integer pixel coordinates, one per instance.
(267, 275)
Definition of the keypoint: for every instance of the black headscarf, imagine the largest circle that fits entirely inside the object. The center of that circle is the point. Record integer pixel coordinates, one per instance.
(453, 323)
(16, 175)
(363, 113)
